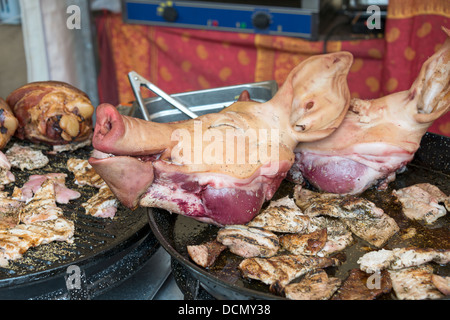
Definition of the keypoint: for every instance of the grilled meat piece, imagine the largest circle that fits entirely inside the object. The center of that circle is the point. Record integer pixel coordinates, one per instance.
(8, 123)
(206, 254)
(282, 215)
(362, 217)
(338, 234)
(9, 211)
(314, 286)
(441, 283)
(414, 283)
(399, 258)
(42, 206)
(52, 112)
(6, 177)
(280, 270)
(306, 244)
(26, 158)
(14, 242)
(249, 242)
(84, 173)
(103, 204)
(34, 183)
(356, 286)
(421, 202)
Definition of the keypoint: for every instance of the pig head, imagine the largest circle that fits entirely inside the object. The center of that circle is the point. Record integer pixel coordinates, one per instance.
(378, 137)
(221, 167)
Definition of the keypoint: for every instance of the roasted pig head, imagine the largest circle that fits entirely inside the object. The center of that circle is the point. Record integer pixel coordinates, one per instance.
(221, 167)
(378, 137)
(8, 123)
(51, 112)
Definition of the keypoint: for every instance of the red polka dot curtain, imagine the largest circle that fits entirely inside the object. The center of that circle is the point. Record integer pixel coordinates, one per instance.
(181, 60)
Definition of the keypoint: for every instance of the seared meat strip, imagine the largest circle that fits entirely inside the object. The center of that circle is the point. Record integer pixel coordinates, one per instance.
(356, 286)
(338, 234)
(14, 242)
(205, 254)
(281, 270)
(399, 258)
(6, 177)
(26, 158)
(249, 242)
(103, 204)
(441, 283)
(307, 244)
(314, 286)
(363, 218)
(414, 283)
(421, 202)
(282, 215)
(84, 173)
(42, 206)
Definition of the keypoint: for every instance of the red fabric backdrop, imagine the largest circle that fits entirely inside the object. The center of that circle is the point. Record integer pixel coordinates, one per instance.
(181, 60)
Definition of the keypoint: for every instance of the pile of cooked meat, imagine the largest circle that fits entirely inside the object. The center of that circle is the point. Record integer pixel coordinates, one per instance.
(58, 115)
(293, 241)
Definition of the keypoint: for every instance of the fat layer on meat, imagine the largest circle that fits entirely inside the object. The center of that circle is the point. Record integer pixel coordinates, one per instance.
(283, 216)
(414, 283)
(26, 158)
(249, 242)
(314, 286)
(282, 269)
(422, 202)
(400, 258)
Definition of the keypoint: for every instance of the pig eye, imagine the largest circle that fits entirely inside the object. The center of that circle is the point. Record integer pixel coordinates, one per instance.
(309, 106)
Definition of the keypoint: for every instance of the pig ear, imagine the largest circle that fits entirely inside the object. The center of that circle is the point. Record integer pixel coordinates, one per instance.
(320, 95)
(433, 85)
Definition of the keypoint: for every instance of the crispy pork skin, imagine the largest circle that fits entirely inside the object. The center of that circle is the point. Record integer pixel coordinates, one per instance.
(220, 168)
(378, 137)
(52, 112)
(8, 123)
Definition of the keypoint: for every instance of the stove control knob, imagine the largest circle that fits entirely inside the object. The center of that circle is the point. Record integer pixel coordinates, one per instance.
(261, 20)
(170, 14)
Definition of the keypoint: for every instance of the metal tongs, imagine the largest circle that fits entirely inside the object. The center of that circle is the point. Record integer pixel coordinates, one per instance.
(137, 81)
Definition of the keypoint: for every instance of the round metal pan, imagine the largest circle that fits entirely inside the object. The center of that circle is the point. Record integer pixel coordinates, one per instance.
(223, 280)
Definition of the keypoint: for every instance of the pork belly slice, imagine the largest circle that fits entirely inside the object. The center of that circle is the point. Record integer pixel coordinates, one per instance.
(362, 217)
(400, 258)
(14, 242)
(314, 286)
(414, 283)
(6, 177)
(9, 211)
(422, 202)
(306, 244)
(280, 270)
(249, 242)
(283, 216)
(42, 206)
(103, 204)
(26, 158)
(358, 286)
(63, 194)
(84, 173)
(205, 254)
